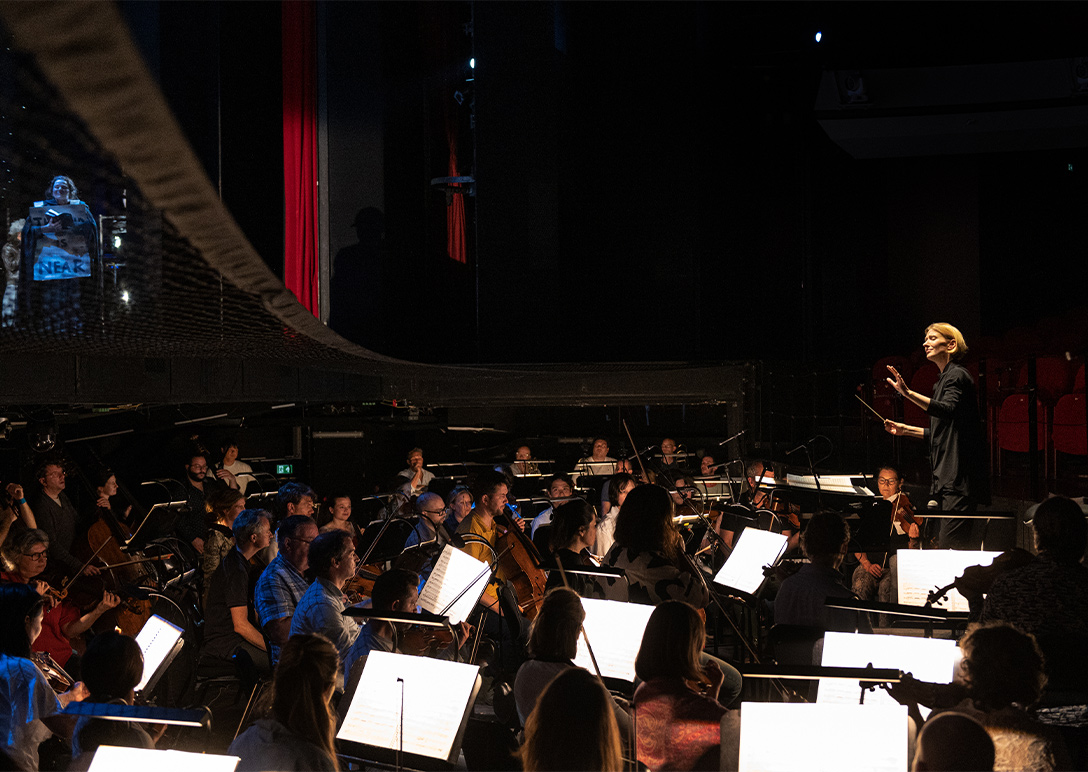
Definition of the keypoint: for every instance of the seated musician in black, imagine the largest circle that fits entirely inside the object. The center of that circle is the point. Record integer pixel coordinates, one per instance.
(877, 574)
(230, 618)
(800, 599)
(428, 537)
(574, 534)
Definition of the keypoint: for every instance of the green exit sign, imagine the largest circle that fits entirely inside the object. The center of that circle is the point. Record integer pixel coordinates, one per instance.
(285, 468)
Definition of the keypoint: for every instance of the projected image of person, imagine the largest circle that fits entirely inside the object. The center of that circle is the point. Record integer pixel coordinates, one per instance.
(60, 243)
(954, 433)
(10, 265)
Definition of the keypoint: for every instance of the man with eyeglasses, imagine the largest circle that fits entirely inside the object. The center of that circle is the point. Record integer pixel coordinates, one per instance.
(283, 582)
(429, 535)
(59, 519)
(321, 610)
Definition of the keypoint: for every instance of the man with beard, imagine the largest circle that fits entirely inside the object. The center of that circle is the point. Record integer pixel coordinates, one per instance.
(192, 522)
(283, 583)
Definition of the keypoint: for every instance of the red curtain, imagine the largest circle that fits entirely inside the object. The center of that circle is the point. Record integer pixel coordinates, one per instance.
(455, 212)
(300, 260)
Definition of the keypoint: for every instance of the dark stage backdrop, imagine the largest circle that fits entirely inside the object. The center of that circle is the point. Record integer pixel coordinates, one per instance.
(651, 181)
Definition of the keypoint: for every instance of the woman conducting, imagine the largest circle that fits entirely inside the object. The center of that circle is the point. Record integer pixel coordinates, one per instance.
(954, 433)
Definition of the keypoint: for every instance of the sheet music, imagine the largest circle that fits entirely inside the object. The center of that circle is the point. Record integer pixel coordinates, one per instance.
(436, 701)
(743, 569)
(929, 659)
(454, 571)
(831, 483)
(818, 736)
(156, 639)
(615, 632)
(109, 758)
(922, 571)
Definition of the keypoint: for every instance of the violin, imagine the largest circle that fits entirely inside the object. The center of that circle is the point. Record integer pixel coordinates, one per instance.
(59, 680)
(903, 513)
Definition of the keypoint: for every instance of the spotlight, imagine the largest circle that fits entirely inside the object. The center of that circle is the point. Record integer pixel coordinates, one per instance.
(124, 296)
(819, 36)
(472, 63)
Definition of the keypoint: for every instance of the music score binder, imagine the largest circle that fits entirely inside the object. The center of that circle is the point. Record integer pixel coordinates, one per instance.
(788, 736)
(437, 698)
(933, 660)
(160, 641)
(921, 571)
(743, 569)
(453, 572)
(614, 630)
(109, 758)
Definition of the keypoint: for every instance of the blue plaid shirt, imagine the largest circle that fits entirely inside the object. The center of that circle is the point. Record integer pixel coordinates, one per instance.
(277, 594)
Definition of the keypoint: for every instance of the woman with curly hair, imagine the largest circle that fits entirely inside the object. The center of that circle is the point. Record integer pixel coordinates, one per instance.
(299, 734)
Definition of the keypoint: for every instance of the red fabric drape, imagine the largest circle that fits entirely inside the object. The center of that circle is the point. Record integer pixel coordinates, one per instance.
(455, 212)
(300, 259)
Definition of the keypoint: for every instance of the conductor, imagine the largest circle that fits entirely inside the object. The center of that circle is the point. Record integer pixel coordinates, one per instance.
(954, 433)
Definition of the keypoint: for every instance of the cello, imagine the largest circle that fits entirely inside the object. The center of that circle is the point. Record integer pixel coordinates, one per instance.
(520, 562)
(125, 572)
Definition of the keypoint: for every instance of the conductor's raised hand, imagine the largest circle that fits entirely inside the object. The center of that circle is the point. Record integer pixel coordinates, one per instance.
(894, 427)
(897, 382)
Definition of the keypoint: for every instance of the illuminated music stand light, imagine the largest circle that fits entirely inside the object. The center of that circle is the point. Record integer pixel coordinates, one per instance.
(785, 737)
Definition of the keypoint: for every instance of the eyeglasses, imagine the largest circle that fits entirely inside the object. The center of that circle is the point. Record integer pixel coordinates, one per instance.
(36, 555)
(887, 481)
(434, 511)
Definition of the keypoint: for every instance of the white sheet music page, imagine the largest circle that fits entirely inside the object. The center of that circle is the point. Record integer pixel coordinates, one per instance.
(615, 632)
(436, 700)
(109, 758)
(922, 571)
(454, 571)
(156, 639)
(819, 736)
(927, 659)
(743, 569)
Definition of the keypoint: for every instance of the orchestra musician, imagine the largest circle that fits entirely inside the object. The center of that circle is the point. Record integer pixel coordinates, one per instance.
(28, 712)
(523, 463)
(954, 435)
(669, 462)
(877, 574)
(415, 479)
(63, 620)
(396, 590)
(599, 462)
(560, 488)
(574, 533)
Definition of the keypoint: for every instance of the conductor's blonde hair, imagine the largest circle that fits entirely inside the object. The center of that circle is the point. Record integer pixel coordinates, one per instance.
(946, 330)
